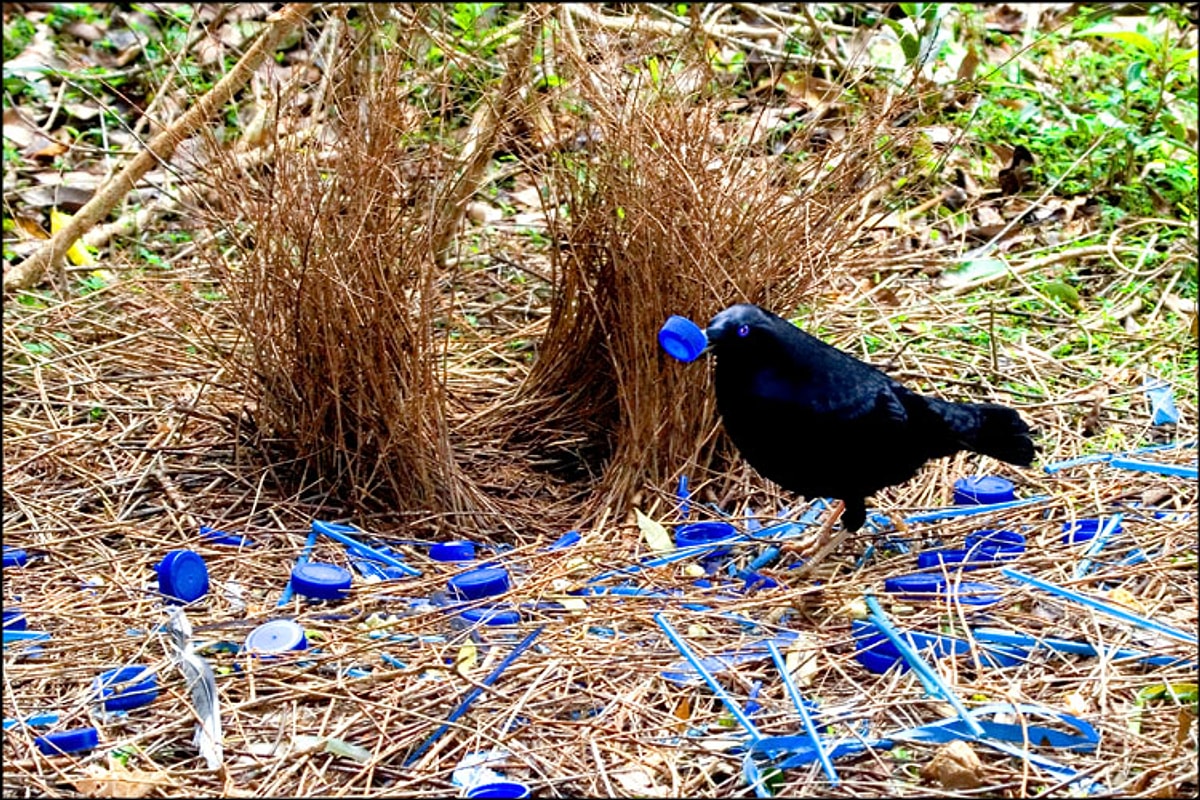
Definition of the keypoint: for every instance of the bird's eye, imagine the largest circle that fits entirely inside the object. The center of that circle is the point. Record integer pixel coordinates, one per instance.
(744, 331)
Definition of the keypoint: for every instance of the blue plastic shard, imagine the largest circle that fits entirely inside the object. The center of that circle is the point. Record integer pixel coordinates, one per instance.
(1162, 401)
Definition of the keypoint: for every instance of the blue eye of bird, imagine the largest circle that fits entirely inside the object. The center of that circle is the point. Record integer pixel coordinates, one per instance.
(744, 331)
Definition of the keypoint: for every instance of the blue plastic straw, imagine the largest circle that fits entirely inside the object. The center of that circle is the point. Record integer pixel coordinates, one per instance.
(989, 635)
(966, 511)
(805, 718)
(1101, 606)
(25, 636)
(684, 497)
(1173, 470)
(473, 695)
(1103, 457)
(1097, 544)
(339, 533)
(927, 674)
(717, 689)
(35, 721)
(309, 544)
(1096, 458)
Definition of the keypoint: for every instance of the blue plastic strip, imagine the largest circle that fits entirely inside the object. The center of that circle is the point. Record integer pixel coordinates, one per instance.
(1101, 606)
(1103, 457)
(684, 497)
(25, 636)
(473, 695)
(1000, 736)
(1075, 648)
(966, 511)
(215, 536)
(805, 718)
(933, 683)
(1173, 470)
(716, 687)
(1098, 542)
(34, 721)
(1095, 458)
(309, 544)
(340, 533)
(566, 540)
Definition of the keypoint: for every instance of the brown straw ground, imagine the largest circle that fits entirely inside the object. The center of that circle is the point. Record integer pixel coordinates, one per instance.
(379, 395)
(118, 448)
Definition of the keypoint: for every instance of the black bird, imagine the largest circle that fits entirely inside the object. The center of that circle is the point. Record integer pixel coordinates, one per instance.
(821, 423)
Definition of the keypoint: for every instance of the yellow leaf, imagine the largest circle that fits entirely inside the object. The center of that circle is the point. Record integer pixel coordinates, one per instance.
(656, 535)
(78, 254)
(466, 659)
(1124, 597)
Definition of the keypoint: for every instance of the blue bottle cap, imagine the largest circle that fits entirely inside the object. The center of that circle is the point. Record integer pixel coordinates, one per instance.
(73, 741)
(478, 583)
(321, 581)
(182, 576)
(15, 557)
(949, 556)
(974, 593)
(498, 790)
(221, 537)
(983, 490)
(453, 551)
(698, 533)
(879, 662)
(490, 615)
(914, 583)
(683, 339)
(1084, 530)
(1002, 541)
(125, 688)
(918, 586)
(276, 636)
(14, 620)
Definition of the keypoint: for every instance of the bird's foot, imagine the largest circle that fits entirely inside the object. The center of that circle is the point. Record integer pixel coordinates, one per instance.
(815, 550)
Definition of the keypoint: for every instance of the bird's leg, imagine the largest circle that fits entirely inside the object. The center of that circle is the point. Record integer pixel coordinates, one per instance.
(818, 543)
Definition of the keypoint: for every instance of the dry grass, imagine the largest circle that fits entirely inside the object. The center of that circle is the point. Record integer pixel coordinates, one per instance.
(126, 427)
(338, 301)
(664, 211)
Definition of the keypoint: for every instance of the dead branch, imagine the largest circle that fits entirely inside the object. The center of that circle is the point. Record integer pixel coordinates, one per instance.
(30, 271)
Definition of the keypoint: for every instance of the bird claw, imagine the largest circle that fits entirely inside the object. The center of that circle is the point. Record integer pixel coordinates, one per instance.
(816, 548)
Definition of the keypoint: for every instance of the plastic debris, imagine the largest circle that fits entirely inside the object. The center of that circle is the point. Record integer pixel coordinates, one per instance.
(1162, 401)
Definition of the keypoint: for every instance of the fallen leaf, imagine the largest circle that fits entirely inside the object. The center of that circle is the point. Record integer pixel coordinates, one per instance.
(1074, 703)
(119, 781)
(656, 536)
(466, 659)
(638, 781)
(78, 254)
(955, 766)
(483, 213)
(1124, 597)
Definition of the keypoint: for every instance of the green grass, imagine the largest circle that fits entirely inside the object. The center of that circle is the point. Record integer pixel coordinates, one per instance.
(1133, 93)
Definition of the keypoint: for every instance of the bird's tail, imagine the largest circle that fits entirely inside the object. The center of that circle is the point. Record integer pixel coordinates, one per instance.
(990, 429)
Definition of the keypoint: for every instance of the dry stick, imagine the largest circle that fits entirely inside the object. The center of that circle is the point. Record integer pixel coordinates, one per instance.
(485, 132)
(30, 271)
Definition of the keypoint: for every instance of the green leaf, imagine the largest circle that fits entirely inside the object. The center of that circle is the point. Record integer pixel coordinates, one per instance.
(655, 76)
(1112, 30)
(1064, 293)
(974, 270)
